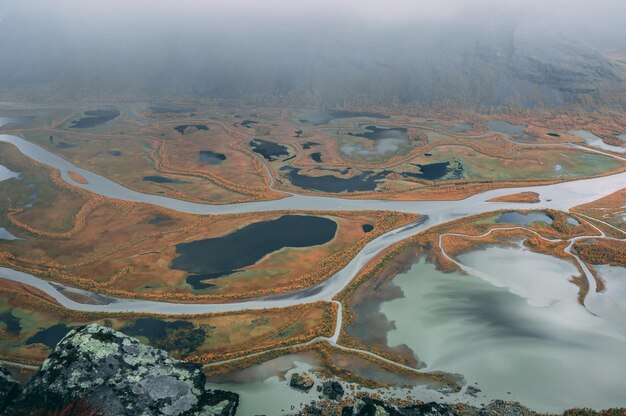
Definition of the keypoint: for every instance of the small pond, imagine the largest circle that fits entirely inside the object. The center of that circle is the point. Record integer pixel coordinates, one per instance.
(11, 322)
(187, 128)
(269, 150)
(505, 128)
(309, 145)
(437, 171)
(162, 179)
(212, 158)
(168, 335)
(316, 157)
(515, 217)
(49, 337)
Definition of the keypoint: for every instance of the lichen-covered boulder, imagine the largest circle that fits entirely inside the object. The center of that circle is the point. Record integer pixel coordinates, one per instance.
(9, 388)
(301, 381)
(118, 375)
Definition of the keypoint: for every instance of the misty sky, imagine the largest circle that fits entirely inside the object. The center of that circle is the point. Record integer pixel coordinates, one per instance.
(306, 49)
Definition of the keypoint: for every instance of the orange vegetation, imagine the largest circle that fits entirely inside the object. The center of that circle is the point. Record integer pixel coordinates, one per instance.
(113, 248)
(610, 209)
(77, 177)
(532, 197)
(229, 334)
(599, 251)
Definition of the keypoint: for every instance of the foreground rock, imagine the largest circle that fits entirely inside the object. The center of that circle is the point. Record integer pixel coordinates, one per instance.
(366, 406)
(117, 375)
(301, 381)
(9, 388)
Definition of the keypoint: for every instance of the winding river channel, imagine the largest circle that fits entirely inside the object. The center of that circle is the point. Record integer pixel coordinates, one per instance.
(561, 196)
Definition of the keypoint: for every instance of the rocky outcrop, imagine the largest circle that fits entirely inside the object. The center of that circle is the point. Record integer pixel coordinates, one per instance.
(9, 388)
(366, 406)
(117, 375)
(301, 381)
(332, 389)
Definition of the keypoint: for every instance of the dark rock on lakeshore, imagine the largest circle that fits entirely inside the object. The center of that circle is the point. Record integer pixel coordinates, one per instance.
(332, 389)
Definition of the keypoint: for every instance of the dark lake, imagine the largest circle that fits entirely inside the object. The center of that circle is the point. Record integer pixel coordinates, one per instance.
(181, 129)
(316, 157)
(437, 171)
(162, 179)
(308, 145)
(523, 219)
(318, 117)
(554, 134)
(221, 256)
(50, 337)
(366, 181)
(94, 118)
(212, 158)
(269, 150)
(11, 322)
(167, 335)
(367, 228)
(115, 153)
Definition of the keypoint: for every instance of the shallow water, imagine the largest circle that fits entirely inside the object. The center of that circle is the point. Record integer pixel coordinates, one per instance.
(7, 235)
(594, 141)
(505, 128)
(264, 384)
(611, 303)
(318, 117)
(386, 140)
(15, 120)
(512, 325)
(5, 173)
